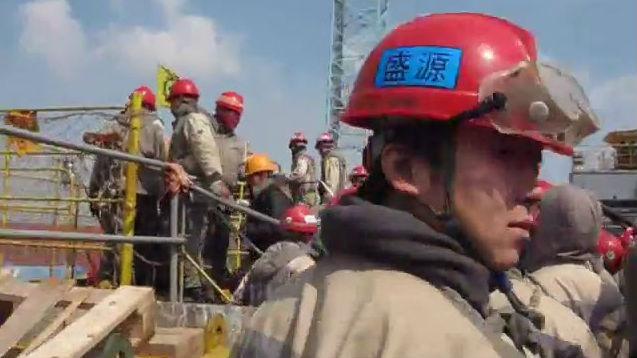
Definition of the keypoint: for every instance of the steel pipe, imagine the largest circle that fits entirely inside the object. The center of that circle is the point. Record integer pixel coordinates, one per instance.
(88, 237)
(16, 132)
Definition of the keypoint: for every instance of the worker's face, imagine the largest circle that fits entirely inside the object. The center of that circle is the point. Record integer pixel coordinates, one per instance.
(357, 181)
(493, 174)
(325, 148)
(258, 181)
(227, 117)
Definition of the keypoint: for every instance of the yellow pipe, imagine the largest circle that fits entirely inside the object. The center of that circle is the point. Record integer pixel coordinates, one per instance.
(130, 203)
(5, 185)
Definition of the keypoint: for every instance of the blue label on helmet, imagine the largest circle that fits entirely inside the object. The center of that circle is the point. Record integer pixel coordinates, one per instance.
(423, 66)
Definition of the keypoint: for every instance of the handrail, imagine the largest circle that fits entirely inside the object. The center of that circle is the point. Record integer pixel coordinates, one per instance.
(16, 132)
(87, 236)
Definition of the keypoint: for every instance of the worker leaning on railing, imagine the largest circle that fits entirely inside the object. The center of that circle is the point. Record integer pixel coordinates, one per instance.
(107, 180)
(209, 151)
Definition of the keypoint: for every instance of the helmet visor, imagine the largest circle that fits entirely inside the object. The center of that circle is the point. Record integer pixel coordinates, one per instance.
(543, 102)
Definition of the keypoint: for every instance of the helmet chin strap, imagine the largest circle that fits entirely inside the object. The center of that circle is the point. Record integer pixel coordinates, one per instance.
(379, 138)
(494, 103)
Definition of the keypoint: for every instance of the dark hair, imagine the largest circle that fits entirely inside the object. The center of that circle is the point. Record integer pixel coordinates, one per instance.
(426, 139)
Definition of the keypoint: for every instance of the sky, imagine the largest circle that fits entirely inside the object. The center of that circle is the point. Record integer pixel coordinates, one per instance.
(276, 53)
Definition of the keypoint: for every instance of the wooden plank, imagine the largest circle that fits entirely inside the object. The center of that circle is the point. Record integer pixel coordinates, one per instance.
(178, 342)
(31, 311)
(16, 291)
(90, 329)
(80, 296)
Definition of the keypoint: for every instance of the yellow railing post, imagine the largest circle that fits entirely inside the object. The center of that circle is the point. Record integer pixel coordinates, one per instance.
(130, 203)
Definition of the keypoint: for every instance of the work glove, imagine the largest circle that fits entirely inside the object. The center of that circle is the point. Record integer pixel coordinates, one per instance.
(220, 188)
(176, 179)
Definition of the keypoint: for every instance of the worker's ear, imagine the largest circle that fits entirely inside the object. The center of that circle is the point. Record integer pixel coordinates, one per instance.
(404, 171)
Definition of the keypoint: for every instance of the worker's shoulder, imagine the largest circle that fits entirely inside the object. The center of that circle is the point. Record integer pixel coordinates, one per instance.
(568, 276)
(341, 298)
(197, 118)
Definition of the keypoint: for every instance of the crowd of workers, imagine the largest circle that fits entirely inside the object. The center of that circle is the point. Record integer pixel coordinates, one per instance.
(448, 247)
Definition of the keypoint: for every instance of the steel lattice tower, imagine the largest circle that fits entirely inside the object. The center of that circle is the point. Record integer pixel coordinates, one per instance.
(357, 26)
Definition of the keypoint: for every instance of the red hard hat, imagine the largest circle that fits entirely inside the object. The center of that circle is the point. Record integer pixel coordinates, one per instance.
(434, 67)
(297, 138)
(299, 219)
(184, 87)
(540, 189)
(326, 137)
(612, 251)
(148, 97)
(231, 100)
(359, 171)
(627, 238)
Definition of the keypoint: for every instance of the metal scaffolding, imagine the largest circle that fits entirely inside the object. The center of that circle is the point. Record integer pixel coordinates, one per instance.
(357, 26)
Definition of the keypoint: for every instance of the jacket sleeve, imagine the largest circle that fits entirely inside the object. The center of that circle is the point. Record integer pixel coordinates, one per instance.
(332, 175)
(300, 171)
(98, 175)
(204, 148)
(159, 144)
(264, 233)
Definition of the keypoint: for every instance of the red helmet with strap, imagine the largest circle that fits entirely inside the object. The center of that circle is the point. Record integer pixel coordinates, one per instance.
(358, 172)
(627, 238)
(443, 67)
(300, 219)
(183, 87)
(325, 139)
(612, 251)
(148, 97)
(231, 100)
(298, 139)
(540, 189)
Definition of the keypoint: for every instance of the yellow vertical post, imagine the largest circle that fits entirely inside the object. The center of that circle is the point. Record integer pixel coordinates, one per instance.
(6, 181)
(130, 202)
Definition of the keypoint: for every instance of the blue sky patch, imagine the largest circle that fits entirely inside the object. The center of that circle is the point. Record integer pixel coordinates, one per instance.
(424, 66)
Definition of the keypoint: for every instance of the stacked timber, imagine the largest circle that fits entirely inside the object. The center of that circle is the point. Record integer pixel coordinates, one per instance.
(56, 319)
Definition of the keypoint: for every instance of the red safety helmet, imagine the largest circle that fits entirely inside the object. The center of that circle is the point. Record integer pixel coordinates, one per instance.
(299, 219)
(612, 251)
(627, 238)
(358, 172)
(438, 66)
(540, 189)
(184, 87)
(231, 100)
(325, 138)
(148, 97)
(298, 139)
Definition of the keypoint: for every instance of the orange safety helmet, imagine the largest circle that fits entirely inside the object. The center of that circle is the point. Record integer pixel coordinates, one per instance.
(184, 87)
(445, 67)
(299, 219)
(259, 163)
(231, 100)
(148, 97)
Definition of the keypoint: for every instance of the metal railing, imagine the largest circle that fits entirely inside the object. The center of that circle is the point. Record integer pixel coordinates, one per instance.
(174, 240)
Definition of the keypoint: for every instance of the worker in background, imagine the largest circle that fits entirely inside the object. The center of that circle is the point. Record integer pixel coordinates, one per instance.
(357, 176)
(282, 262)
(302, 175)
(563, 259)
(442, 213)
(229, 107)
(270, 195)
(149, 184)
(194, 147)
(333, 168)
